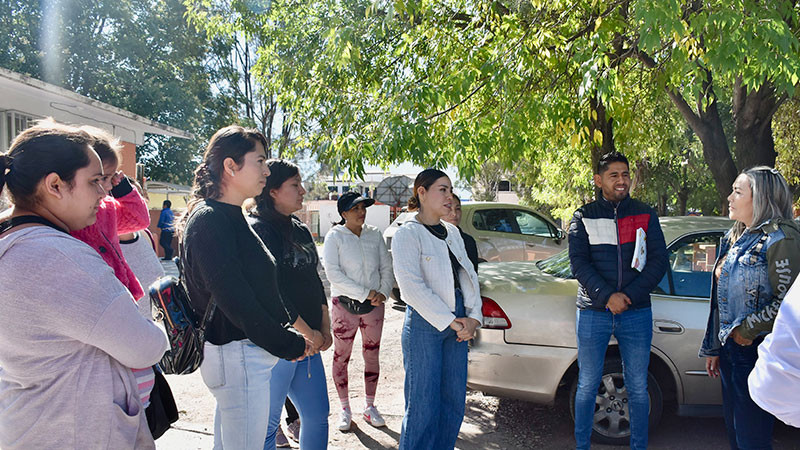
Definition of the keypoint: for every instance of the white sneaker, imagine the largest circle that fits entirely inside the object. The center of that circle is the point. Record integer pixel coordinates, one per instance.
(373, 417)
(345, 418)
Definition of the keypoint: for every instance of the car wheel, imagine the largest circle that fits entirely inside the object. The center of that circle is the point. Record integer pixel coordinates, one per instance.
(611, 418)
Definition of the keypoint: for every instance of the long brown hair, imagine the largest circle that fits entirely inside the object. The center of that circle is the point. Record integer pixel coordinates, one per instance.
(232, 142)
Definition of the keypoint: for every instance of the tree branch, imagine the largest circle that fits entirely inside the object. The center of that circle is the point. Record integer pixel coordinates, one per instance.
(456, 105)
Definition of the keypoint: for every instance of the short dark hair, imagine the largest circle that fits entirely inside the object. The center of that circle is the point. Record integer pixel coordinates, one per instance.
(167, 204)
(42, 149)
(608, 158)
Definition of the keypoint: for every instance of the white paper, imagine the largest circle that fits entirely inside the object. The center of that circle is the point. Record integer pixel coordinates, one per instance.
(640, 252)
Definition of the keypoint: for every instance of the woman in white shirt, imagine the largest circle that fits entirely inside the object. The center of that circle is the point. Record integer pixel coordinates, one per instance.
(439, 284)
(359, 269)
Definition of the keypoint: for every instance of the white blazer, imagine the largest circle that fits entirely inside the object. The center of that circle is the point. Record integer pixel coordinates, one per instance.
(423, 272)
(356, 265)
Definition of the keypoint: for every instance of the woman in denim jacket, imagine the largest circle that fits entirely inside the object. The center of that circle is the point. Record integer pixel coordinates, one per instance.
(758, 260)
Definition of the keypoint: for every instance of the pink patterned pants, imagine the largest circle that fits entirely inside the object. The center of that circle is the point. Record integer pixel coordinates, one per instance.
(344, 326)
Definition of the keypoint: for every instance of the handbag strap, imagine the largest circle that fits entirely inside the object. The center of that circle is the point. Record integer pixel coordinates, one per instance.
(212, 305)
(21, 220)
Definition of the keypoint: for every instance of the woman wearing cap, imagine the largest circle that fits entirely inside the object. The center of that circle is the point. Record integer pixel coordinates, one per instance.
(440, 287)
(359, 268)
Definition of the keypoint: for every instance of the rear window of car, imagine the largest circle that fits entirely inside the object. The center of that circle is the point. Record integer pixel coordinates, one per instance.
(557, 265)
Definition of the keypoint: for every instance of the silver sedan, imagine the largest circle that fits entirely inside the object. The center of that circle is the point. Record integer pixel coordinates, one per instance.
(527, 347)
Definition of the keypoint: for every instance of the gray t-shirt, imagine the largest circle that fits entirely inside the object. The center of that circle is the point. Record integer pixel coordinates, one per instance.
(69, 331)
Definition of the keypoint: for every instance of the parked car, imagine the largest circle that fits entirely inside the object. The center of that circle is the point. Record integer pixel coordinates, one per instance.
(502, 231)
(527, 347)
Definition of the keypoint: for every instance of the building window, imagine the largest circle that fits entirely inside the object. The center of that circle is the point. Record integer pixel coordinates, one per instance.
(504, 186)
(14, 123)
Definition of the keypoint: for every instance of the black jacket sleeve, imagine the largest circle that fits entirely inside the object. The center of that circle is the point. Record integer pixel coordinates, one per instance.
(211, 245)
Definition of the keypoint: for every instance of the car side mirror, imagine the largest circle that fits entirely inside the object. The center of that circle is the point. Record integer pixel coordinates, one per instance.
(561, 235)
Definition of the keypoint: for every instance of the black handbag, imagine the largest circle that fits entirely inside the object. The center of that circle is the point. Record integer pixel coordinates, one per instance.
(162, 411)
(354, 306)
(185, 333)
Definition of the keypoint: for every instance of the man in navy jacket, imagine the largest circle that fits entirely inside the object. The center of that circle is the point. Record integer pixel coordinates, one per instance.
(613, 296)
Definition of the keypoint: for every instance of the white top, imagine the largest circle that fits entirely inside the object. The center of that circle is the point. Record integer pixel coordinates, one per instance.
(423, 271)
(356, 265)
(69, 331)
(775, 381)
(144, 263)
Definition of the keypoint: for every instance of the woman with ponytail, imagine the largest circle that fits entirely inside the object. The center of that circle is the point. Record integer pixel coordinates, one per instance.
(228, 268)
(69, 328)
(442, 314)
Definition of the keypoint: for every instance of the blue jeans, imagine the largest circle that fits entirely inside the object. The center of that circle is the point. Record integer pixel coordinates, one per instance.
(435, 384)
(304, 382)
(634, 332)
(749, 427)
(238, 375)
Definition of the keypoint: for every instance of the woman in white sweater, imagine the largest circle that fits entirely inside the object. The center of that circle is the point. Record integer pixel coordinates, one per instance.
(69, 328)
(359, 268)
(440, 287)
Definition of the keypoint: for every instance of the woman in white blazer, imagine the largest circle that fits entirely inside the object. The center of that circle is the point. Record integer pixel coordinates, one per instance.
(359, 269)
(440, 287)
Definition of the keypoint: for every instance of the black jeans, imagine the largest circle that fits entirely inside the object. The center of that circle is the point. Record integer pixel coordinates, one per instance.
(165, 240)
(749, 427)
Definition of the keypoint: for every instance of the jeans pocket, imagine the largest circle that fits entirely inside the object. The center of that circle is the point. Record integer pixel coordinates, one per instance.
(213, 367)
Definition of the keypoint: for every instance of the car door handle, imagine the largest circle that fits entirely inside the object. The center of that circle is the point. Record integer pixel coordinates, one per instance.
(668, 326)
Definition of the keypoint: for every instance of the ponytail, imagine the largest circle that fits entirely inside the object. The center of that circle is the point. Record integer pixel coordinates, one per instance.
(413, 202)
(5, 165)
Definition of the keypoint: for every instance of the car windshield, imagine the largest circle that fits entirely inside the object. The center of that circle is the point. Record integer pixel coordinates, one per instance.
(557, 265)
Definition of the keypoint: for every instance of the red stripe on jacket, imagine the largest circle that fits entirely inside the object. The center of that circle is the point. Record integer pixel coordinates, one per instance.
(628, 225)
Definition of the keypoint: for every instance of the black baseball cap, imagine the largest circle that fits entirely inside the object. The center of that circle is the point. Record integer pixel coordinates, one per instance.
(350, 199)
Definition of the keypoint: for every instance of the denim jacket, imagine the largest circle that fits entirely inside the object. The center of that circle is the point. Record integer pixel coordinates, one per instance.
(757, 271)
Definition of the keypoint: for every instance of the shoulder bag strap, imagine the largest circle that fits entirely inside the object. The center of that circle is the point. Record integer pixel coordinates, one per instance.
(21, 220)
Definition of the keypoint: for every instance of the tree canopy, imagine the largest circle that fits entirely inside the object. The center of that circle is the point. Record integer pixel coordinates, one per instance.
(553, 84)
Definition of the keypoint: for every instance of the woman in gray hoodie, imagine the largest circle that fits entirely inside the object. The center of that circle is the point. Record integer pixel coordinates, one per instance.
(70, 330)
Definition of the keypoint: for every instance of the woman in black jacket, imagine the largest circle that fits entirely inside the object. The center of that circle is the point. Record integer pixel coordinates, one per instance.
(301, 288)
(226, 263)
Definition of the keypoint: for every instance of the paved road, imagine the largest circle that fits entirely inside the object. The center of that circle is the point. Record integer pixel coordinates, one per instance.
(490, 422)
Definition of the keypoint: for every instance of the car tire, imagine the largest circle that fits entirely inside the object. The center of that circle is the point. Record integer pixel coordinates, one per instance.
(612, 427)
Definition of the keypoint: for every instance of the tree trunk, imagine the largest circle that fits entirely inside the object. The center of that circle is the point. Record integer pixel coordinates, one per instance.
(662, 205)
(752, 115)
(707, 125)
(600, 123)
(683, 198)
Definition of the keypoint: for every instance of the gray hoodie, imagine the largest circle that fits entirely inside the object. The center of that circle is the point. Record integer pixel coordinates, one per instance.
(69, 332)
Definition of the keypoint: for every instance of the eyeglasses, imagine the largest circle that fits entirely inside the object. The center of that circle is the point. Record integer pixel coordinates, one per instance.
(770, 170)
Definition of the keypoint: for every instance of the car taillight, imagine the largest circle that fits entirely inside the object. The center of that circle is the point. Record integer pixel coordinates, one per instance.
(493, 315)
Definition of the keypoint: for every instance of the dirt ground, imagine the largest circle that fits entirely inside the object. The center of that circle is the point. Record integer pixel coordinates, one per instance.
(490, 423)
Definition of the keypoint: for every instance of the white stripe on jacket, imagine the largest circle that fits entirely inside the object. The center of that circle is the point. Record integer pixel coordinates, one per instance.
(423, 272)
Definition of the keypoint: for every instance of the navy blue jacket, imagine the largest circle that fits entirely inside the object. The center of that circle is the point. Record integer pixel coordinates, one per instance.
(602, 238)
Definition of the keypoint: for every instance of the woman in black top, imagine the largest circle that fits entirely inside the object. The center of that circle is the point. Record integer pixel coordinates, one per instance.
(300, 286)
(226, 263)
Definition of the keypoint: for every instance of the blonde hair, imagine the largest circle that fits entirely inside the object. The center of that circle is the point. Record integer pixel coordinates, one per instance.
(772, 198)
